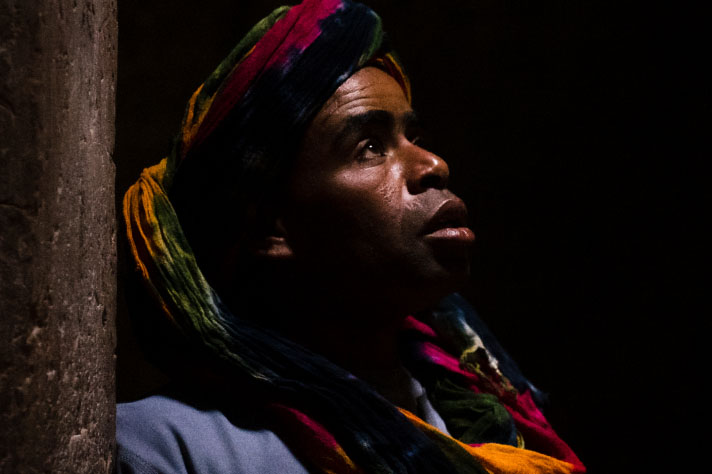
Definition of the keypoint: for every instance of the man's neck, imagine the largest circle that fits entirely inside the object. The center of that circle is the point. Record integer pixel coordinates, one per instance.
(365, 344)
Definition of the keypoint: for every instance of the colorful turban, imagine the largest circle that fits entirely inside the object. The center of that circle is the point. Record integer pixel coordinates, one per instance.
(242, 127)
(239, 135)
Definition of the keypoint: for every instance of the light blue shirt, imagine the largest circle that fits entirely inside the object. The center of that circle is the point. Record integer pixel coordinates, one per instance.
(164, 434)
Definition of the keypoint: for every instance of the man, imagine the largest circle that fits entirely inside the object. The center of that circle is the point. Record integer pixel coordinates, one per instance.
(288, 239)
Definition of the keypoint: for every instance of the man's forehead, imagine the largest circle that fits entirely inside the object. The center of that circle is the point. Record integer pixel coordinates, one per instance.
(368, 89)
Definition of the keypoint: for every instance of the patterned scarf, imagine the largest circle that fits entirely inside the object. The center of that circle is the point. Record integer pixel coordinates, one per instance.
(272, 84)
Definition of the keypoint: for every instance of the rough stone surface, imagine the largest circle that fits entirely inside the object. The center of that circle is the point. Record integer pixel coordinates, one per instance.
(57, 235)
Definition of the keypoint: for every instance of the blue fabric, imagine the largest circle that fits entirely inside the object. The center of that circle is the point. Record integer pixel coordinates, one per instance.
(176, 432)
(164, 434)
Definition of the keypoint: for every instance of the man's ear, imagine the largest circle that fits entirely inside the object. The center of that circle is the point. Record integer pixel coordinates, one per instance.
(275, 244)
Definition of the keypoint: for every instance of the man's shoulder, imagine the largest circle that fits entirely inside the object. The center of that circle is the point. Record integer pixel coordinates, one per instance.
(162, 414)
(168, 434)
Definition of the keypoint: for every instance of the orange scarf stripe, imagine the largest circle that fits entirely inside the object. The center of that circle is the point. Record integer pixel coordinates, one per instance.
(401, 76)
(190, 126)
(142, 226)
(499, 458)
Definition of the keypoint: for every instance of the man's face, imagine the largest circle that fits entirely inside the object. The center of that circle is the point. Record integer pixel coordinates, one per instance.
(368, 213)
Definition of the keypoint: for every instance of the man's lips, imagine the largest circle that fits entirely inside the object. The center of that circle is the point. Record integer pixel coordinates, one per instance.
(449, 224)
(458, 234)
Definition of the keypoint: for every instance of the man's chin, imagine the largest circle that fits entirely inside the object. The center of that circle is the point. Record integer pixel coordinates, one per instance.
(430, 291)
(451, 273)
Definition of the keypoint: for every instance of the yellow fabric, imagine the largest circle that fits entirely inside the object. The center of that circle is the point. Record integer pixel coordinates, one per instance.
(500, 458)
(191, 124)
(140, 219)
(402, 76)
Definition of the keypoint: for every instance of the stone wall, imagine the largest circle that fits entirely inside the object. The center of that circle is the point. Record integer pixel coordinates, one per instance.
(57, 235)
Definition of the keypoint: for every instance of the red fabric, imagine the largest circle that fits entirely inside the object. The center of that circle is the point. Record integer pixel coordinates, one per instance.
(531, 423)
(315, 446)
(300, 25)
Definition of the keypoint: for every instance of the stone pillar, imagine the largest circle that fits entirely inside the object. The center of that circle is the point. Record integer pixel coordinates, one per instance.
(57, 235)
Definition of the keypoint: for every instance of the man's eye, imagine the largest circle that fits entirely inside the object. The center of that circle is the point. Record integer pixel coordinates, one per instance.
(371, 148)
(375, 146)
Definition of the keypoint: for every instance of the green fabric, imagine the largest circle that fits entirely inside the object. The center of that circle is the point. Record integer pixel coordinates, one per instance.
(472, 417)
(217, 79)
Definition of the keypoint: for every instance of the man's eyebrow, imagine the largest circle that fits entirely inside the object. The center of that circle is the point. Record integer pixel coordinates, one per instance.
(355, 124)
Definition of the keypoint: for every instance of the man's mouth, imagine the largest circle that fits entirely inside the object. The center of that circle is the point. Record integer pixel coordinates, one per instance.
(449, 224)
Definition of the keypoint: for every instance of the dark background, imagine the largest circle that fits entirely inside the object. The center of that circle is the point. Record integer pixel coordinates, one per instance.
(574, 131)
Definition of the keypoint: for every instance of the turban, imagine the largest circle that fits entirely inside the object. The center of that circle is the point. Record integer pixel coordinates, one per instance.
(242, 127)
(239, 135)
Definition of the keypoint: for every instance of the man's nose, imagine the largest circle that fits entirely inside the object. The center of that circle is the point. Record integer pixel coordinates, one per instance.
(425, 170)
